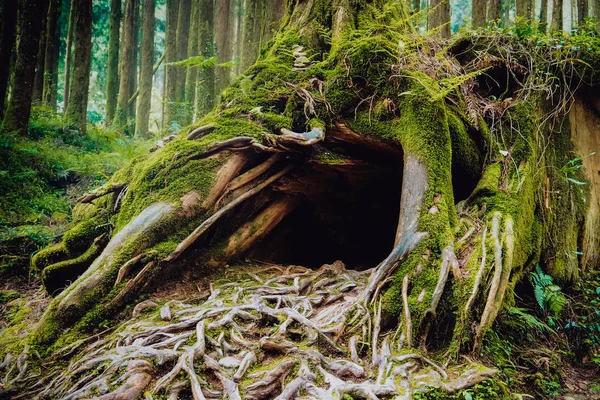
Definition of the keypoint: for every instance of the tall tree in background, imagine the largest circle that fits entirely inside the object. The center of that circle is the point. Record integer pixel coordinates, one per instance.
(524, 9)
(125, 65)
(479, 13)
(8, 20)
(439, 17)
(191, 71)
(133, 71)
(596, 9)
(38, 82)
(494, 12)
(112, 74)
(69, 53)
(146, 69)
(206, 93)
(49, 92)
(30, 16)
(250, 32)
(582, 11)
(183, 35)
(76, 112)
(544, 13)
(223, 42)
(557, 15)
(170, 70)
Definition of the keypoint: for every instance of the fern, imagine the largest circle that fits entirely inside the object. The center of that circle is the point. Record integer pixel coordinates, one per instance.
(548, 295)
(529, 320)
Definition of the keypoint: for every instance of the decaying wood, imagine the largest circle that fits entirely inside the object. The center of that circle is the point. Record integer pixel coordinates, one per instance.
(226, 173)
(102, 191)
(200, 132)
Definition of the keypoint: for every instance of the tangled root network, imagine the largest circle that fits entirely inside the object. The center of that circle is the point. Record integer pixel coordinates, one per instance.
(273, 333)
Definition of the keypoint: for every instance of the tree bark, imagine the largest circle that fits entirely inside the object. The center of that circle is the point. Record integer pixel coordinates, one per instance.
(52, 53)
(223, 42)
(146, 70)
(125, 65)
(544, 14)
(69, 54)
(112, 74)
(582, 11)
(479, 13)
(30, 16)
(597, 13)
(557, 15)
(439, 17)
(250, 38)
(192, 72)
(183, 36)
(206, 91)
(524, 9)
(133, 83)
(171, 71)
(494, 12)
(38, 83)
(76, 112)
(8, 14)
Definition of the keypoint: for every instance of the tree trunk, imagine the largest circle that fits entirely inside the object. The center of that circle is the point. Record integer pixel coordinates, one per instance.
(495, 11)
(38, 83)
(206, 91)
(146, 70)
(49, 94)
(183, 37)
(133, 83)
(30, 16)
(223, 42)
(557, 15)
(439, 17)
(8, 13)
(76, 112)
(479, 13)
(250, 36)
(171, 71)
(125, 65)
(544, 15)
(69, 54)
(597, 13)
(191, 71)
(297, 168)
(112, 70)
(524, 9)
(582, 11)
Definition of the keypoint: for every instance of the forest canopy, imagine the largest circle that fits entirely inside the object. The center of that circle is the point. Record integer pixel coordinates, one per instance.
(300, 199)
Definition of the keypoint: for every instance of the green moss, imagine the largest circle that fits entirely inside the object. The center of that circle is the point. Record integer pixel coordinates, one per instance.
(49, 255)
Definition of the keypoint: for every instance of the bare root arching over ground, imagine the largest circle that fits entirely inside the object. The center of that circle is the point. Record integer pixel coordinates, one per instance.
(385, 197)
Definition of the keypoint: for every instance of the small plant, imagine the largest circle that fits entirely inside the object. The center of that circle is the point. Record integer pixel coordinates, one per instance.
(548, 295)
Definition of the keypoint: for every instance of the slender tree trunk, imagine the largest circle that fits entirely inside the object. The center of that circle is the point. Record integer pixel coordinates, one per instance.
(582, 11)
(52, 53)
(69, 54)
(126, 59)
(8, 14)
(192, 72)
(479, 13)
(38, 83)
(133, 83)
(494, 12)
(30, 16)
(112, 74)
(146, 70)
(183, 36)
(223, 42)
(206, 90)
(524, 9)
(544, 14)
(76, 111)
(171, 71)
(250, 38)
(557, 15)
(440, 17)
(597, 13)
(238, 10)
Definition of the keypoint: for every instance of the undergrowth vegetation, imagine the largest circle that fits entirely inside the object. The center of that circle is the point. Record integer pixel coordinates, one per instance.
(42, 176)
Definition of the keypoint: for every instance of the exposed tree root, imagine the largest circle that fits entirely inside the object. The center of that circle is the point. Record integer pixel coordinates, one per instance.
(272, 322)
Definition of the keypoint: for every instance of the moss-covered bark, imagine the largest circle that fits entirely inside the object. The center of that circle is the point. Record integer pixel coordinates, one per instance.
(112, 72)
(146, 70)
(7, 41)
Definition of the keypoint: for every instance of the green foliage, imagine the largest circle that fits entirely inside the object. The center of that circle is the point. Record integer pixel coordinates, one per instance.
(548, 295)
